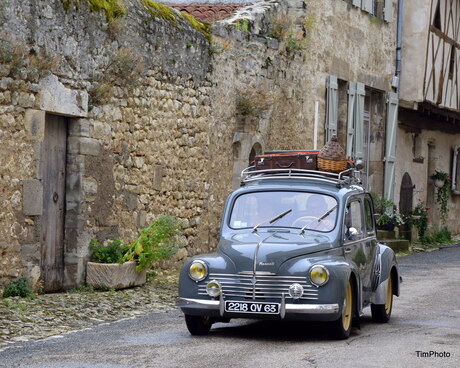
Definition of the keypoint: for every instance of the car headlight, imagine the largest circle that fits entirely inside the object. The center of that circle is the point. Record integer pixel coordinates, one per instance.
(198, 270)
(319, 275)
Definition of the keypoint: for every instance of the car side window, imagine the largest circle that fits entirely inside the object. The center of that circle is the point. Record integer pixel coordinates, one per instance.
(368, 216)
(353, 220)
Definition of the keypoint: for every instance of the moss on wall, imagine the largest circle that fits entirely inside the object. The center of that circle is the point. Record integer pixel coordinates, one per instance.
(112, 8)
(161, 11)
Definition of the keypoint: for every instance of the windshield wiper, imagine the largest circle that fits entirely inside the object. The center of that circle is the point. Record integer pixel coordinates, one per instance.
(327, 213)
(271, 221)
(321, 218)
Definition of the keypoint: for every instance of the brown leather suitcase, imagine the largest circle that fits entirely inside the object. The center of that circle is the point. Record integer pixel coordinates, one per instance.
(306, 160)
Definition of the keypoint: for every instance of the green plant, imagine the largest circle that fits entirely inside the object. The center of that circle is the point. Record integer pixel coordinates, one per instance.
(419, 218)
(442, 193)
(156, 242)
(242, 25)
(253, 102)
(124, 68)
(113, 252)
(439, 236)
(112, 8)
(395, 219)
(19, 287)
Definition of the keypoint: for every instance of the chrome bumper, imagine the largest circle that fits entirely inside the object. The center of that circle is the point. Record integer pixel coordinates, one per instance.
(285, 308)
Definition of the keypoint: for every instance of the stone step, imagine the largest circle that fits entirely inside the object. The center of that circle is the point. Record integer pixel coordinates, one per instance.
(398, 245)
(386, 234)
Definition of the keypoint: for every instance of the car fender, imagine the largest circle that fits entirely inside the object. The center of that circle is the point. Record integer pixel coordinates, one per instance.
(340, 271)
(219, 263)
(388, 266)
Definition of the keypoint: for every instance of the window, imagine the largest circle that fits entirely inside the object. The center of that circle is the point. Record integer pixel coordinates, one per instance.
(368, 216)
(302, 210)
(382, 9)
(353, 218)
(456, 170)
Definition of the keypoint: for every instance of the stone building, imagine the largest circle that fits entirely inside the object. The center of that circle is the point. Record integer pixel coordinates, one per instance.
(429, 114)
(111, 117)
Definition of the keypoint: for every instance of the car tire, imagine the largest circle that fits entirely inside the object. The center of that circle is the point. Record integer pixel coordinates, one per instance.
(341, 328)
(198, 325)
(381, 313)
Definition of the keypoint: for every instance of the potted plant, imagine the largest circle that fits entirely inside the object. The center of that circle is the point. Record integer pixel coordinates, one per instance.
(442, 184)
(388, 221)
(118, 266)
(387, 216)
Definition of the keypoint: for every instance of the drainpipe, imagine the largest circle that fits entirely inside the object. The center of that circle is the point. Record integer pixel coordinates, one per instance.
(398, 45)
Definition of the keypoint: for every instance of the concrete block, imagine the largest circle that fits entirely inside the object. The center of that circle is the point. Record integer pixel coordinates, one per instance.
(34, 123)
(32, 194)
(114, 276)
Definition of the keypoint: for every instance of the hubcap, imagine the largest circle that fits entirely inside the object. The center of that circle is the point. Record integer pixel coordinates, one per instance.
(347, 304)
(389, 296)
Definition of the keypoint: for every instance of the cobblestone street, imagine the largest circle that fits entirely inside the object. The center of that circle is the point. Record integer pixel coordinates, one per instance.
(24, 319)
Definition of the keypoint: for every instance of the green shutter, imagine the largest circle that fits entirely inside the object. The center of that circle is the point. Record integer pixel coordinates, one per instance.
(368, 6)
(351, 118)
(358, 148)
(454, 169)
(357, 3)
(390, 145)
(388, 11)
(332, 108)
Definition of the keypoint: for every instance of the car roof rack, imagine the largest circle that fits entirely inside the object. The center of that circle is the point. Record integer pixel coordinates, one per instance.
(346, 177)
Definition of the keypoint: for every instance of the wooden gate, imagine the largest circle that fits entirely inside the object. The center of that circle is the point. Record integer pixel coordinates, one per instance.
(52, 221)
(405, 203)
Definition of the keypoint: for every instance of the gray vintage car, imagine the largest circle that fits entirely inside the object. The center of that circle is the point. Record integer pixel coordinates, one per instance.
(294, 245)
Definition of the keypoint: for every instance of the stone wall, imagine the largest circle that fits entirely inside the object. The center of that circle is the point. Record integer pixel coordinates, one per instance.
(136, 148)
(174, 138)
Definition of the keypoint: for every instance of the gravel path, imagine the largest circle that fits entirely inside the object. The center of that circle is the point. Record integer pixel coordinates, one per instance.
(24, 319)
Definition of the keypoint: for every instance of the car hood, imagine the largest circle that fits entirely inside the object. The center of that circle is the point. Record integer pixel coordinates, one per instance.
(270, 250)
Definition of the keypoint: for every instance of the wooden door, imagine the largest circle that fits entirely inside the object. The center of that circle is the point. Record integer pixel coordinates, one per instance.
(52, 222)
(405, 204)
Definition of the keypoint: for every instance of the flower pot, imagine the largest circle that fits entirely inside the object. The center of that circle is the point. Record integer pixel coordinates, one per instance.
(439, 183)
(386, 227)
(114, 275)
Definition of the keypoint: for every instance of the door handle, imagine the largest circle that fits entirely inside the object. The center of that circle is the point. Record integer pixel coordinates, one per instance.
(347, 250)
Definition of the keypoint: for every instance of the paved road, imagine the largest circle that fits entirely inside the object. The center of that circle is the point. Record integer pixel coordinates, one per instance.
(426, 318)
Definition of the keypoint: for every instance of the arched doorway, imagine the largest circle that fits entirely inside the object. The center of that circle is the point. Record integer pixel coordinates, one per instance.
(405, 203)
(255, 150)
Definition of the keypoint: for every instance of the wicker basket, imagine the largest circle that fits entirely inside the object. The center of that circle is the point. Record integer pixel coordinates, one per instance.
(332, 165)
(331, 157)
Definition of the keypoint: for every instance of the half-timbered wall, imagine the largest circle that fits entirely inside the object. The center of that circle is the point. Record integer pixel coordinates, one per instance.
(441, 84)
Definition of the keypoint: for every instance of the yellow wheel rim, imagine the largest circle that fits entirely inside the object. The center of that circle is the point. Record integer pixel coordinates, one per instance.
(389, 296)
(347, 307)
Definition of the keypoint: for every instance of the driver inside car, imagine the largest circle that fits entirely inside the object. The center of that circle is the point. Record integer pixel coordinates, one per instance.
(318, 215)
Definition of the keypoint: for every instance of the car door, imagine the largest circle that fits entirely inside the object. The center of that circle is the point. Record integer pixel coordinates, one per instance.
(370, 248)
(354, 240)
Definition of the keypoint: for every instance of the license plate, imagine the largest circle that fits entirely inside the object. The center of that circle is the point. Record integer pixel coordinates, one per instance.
(252, 307)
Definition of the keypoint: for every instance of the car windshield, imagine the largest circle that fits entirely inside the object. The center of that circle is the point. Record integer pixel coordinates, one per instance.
(305, 210)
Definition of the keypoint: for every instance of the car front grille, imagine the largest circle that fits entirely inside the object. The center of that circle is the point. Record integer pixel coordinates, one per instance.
(259, 287)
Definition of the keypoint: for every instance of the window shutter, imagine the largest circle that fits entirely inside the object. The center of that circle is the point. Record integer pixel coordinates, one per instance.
(332, 107)
(388, 11)
(357, 3)
(351, 118)
(359, 122)
(455, 172)
(368, 6)
(390, 145)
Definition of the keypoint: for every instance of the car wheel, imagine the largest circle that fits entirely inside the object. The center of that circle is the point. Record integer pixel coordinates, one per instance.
(198, 325)
(341, 328)
(381, 313)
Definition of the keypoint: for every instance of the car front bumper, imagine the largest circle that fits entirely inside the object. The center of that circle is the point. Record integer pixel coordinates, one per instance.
(285, 308)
